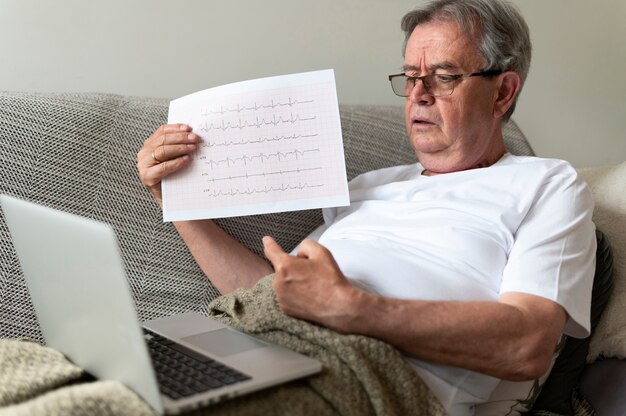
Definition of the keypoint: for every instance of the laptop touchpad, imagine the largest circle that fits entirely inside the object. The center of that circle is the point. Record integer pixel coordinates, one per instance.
(224, 342)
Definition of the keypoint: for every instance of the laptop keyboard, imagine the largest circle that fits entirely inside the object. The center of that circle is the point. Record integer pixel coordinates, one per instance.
(182, 372)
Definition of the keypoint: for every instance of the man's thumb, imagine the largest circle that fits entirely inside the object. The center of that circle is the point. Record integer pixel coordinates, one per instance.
(271, 249)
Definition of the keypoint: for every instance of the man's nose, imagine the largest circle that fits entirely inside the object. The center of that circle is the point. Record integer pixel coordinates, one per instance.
(420, 95)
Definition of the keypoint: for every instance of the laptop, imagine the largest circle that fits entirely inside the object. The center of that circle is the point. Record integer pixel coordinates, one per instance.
(80, 292)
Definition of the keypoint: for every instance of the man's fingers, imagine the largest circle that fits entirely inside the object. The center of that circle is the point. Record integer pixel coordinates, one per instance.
(311, 249)
(164, 153)
(155, 173)
(172, 134)
(272, 250)
(173, 128)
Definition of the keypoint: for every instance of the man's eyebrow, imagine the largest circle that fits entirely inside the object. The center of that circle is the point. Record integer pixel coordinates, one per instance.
(448, 66)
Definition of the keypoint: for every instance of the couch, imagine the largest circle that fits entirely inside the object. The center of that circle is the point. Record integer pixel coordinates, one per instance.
(77, 153)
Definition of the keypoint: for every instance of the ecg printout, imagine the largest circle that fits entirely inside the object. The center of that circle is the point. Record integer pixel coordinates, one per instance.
(268, 145)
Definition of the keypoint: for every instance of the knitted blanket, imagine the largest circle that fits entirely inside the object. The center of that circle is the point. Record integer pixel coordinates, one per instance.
(361, 376)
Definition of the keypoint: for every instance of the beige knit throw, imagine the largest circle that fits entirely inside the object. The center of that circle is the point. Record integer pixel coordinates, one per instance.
(361, 376)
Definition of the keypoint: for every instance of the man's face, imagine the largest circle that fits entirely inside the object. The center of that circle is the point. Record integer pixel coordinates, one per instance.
(459, 131)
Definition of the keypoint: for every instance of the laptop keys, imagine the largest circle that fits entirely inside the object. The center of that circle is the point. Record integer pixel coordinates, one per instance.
(182, 372)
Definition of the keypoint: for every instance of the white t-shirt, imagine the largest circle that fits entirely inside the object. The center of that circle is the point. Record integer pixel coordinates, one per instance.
(522, 224)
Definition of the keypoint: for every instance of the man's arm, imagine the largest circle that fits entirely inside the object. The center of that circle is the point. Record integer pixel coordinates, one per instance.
(512, 339)
(226, 262)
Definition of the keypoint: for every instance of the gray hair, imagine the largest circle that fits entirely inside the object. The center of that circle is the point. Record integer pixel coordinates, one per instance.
(500, 32)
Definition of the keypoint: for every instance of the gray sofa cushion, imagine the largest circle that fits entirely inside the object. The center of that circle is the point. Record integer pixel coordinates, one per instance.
(77, 152)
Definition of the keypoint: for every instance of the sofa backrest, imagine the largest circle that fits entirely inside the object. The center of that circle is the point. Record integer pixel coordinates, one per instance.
(77, 153)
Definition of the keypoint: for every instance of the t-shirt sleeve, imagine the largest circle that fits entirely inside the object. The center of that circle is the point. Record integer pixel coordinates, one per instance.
(553, 255)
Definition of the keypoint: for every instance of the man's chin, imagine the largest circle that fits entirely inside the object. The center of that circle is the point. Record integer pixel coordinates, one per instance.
(434, 158)
(426, 146)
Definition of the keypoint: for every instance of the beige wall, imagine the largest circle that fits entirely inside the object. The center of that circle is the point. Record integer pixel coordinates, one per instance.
(573, 106)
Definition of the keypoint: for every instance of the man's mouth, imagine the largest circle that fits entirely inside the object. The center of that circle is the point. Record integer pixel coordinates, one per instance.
(423, 121)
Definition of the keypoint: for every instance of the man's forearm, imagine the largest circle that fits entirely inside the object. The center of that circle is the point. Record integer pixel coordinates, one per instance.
(226, 262)
(512, 339)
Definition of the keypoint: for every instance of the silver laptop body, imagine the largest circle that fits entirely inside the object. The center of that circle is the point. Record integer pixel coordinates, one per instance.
(79, 289)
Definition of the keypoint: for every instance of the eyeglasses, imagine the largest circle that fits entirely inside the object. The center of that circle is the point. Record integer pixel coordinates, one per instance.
(436, 85)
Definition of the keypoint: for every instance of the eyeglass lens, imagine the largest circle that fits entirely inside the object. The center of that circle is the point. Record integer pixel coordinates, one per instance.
(404, 85)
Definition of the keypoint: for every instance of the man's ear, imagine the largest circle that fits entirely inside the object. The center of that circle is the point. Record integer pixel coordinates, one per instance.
(509, 84)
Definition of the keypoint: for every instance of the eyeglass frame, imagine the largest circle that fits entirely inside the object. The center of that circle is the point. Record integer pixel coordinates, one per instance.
(456, 77)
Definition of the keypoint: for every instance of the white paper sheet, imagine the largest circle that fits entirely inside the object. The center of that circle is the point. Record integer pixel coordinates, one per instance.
(268, 145)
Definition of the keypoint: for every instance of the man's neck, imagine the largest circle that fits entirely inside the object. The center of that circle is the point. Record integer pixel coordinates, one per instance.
(482, 164)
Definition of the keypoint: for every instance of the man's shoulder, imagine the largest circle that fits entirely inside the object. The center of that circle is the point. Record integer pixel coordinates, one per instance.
(540, 166)
(555, 178)
(535, 161)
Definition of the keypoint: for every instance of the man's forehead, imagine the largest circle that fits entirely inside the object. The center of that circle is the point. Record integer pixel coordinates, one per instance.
(439, 45)
(432, 67)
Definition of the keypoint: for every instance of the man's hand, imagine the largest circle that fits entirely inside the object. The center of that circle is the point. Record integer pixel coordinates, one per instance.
(166, 151)
(310, 285)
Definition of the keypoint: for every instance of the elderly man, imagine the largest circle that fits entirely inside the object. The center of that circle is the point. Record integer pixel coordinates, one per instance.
(473, 262)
